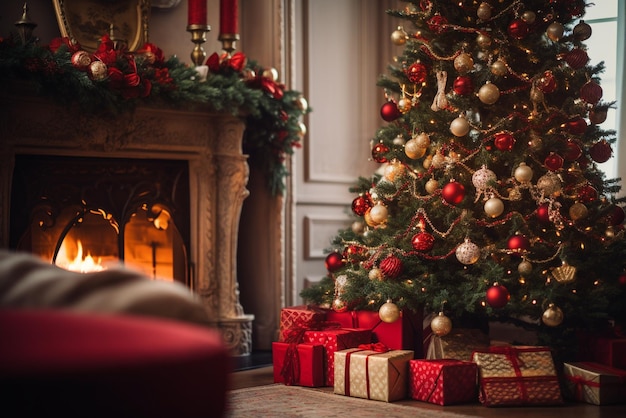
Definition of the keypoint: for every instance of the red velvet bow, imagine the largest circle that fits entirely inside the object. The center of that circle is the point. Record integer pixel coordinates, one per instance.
(378, 347)
(235, 62)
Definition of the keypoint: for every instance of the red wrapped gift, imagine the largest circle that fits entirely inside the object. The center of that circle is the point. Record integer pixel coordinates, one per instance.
(298, 364)
(334, 340)
(403, 334)
(517, 375)
(610, 352)
(443, 382)
(298, 318)
(594, 383)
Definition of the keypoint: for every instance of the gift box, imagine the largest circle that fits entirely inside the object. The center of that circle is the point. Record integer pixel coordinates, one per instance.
(458, 344)
(443, 382)
(298, 364)
(403, 334)
(517, 375)
(372, 374)
(610, 352)
(295, 319)
(334, 340)
(594, 383)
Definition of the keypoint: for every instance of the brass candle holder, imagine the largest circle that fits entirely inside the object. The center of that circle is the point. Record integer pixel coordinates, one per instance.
(198, 37)
(228, 41)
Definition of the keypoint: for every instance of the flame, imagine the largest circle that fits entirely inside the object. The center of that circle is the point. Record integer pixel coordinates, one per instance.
(84, 265)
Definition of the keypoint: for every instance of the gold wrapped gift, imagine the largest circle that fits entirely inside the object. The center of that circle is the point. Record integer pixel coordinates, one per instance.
(371, 374)
(458, 344)
(594, 383)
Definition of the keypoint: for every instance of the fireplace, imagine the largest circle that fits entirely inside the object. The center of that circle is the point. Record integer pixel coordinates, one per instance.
(159, 190)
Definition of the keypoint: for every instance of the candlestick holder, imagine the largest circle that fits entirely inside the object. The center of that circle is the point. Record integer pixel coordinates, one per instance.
(198, 37)
(228, 41)
(25, 26)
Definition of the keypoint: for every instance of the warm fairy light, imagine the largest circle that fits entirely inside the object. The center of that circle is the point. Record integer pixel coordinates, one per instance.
(574, 291)
(482, 303)
(522, 280)
(534, 302)
(596, 283)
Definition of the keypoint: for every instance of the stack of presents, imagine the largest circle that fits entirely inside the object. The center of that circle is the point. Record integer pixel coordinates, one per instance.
(361, 356)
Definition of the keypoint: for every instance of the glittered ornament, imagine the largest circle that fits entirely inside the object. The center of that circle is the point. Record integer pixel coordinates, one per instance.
(504, 141)
(453, 192)
(459, 126)
(587, 193)
(518, 243)
(436, 23)
(394, 170)
(483, 40)
(523, 173)
(494, 207)
(463, 63)
(578, 211)
(404, 105)
(422, 140)
(518, 29)
(576, 126)
(416, 73)
(463, 85)
(378, 153)
(601, 151)
(591, 92)
(547, 82)
(98, 70)
(482, 178)
(389, 312)
(339, 305)
(375, 274)
(497, 296)
(389, 112)
(553, 161)
(379, 213)
(423, 241)
(391, 267)
(525, 267)
(499, 68)
(441, 325)
(333, 262)
(360, 205)
(577, 58)
(484, 11)
(413, 150)
(431, 186)
(549, 184)
(553, 316)
(81, 60)
(555, 31)
(489, 93)
(582, 31)
(354, 253)
(467, 252)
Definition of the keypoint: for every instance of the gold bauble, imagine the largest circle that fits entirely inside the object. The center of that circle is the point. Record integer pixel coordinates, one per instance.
(389, 312)
(549, 184)
(529, 17)
(553, 316)
(438, 160)
(270, 74)
(494, 207)
(393, 170)
(339, 305)
(459, 126)
(525, 267)
(499, 68)
(463, 63)
(441, 325)
(404, 105)
(431, 186)
(578, 211)
(375, 274)
(523, 173)
(358, 227)
(483, 40)
(413, 150)
(378, 213)
(427, 162)
(399, 36)
(489, 93)
(555, 31)
(484, 11)
(422, 140)
(302, 103)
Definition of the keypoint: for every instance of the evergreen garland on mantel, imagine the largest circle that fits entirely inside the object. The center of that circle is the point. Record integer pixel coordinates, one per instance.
(115, 81)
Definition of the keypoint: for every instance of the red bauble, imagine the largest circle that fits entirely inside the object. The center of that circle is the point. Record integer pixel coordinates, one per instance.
(333, 262)
(378, 153)
(389, 112)
(518, 243)
(600, 151)
(423, 241)
(504, 141)
(436, 23)
(597, 116)
(554, 162)
(416, 73)
(360, 205)
(391, 267)
(622, 279)
(616, 215)
(81, 60)
(497, 296)
(453, 192)
(591, 92)
(587, 194)
(543, 213)
(463, 85)
(354, 253)
(577, 58)
(576, 126)
(519, 29)
(547, 82)
(573, 151)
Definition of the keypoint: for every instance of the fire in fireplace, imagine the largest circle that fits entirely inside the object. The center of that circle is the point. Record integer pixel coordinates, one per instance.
(88, 213)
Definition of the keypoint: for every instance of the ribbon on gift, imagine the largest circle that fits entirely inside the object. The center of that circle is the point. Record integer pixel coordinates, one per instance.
(579, 382)
(378, 348)
(512, 354)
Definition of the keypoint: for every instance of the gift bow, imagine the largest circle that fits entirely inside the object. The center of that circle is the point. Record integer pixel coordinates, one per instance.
(236, 62)
(378, 347)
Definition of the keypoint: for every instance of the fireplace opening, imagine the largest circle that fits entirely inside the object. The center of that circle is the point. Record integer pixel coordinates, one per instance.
(86, 214)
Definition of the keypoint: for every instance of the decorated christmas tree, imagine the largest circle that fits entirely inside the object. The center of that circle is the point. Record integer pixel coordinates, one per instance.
(489, 204)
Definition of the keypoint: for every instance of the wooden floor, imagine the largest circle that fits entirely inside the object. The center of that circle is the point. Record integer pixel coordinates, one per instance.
(257, 376)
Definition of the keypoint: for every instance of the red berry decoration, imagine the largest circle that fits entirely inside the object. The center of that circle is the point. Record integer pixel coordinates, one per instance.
(463, 85)
(504, 141)
(497, 296)
(519, 29)
(601, 151)
(572, 151)
(616, 215)
(333, 262)
(423, 241)
(453, 192)
(587, 194)
(543, 213)
(576, 126)
(591, 92)
(389, 112)
(518, 243)
(416, 73)
(577, 58)
(547, 83)
(378, 153)
(360, 205)
(554, 162)
(391, 267)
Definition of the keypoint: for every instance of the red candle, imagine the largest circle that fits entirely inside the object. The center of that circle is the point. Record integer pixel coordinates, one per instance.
(196, 12)
(229, 10)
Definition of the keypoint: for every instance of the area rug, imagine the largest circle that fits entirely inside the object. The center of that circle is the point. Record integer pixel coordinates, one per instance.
(282, 401)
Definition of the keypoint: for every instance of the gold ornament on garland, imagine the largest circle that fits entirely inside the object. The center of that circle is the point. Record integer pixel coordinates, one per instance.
(553, 316)
(565, 273)
(389, 312)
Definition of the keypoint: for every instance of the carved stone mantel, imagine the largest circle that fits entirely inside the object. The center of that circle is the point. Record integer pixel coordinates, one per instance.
(218, 175)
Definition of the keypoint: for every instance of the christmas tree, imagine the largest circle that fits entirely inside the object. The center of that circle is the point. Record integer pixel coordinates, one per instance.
(489, 203)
